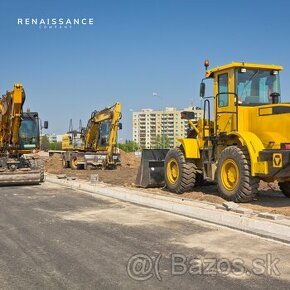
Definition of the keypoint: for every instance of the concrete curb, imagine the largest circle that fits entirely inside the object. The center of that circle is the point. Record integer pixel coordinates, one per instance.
(246, 221)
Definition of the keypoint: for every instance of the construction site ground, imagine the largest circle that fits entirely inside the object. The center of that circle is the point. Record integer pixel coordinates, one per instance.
(270, 199)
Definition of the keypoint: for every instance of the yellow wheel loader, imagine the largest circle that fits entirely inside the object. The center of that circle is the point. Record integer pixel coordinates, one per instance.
(245, 139)
(19, 141)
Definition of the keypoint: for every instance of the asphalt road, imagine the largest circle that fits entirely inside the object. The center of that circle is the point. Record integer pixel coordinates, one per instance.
(57, 238)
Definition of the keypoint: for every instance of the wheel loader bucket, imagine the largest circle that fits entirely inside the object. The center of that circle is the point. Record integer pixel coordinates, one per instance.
(151, 170)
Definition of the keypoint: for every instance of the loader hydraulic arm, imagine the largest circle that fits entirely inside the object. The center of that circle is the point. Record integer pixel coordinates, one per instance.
(10, 116)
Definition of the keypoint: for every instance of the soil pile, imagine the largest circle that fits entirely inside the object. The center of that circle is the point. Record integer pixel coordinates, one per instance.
(129, 159)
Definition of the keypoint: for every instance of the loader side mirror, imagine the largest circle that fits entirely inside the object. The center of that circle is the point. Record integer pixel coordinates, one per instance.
(45, 124)
(202, 90)
(120, 126)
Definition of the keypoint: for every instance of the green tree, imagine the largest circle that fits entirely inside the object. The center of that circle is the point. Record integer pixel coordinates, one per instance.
(129, 146)
(161, 142)
(44, 143)
(55, 146)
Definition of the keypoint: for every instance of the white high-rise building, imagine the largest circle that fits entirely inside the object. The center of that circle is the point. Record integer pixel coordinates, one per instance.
(147, 124)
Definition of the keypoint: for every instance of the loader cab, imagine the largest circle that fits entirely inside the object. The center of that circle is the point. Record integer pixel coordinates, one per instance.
(239, 85)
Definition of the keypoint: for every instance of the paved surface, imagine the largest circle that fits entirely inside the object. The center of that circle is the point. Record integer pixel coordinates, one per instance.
(56, 238)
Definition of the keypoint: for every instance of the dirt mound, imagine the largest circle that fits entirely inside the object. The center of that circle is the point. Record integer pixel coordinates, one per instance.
(124, 175)
(129, 159)
(53, 163)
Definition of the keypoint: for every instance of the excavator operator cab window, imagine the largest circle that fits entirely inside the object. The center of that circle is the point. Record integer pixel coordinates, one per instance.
(104, 133)
(29, 133)
(256, 86)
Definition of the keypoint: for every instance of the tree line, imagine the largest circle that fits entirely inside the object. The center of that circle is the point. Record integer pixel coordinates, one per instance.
(159, 142)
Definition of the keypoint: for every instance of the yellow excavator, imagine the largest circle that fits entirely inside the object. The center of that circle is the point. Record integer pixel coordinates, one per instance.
(246, 139)
(94, 146)
(19, 141)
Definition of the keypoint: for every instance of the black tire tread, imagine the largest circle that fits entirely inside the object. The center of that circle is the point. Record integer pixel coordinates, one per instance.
(248, 187)
(187, 173)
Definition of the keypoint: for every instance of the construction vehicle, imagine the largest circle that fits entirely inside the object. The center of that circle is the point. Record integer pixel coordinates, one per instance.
(94, 146)
(19, 141)
(248, 139)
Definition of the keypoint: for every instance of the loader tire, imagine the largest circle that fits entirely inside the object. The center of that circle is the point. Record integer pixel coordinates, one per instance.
(285, 188)
(234, 179)
(179, 174)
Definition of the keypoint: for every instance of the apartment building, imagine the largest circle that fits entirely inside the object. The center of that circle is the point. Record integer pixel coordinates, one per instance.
(147, 124)
(53, 138)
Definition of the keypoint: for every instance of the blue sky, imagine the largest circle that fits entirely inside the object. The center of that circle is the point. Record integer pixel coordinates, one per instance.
(134, 48)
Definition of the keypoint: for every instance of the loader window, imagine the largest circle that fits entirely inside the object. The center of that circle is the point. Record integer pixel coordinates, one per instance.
(223, 88)
(254, 87)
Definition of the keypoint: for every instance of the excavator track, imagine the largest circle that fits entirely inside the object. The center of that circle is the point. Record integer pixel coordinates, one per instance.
(23, 176)
(19, 177)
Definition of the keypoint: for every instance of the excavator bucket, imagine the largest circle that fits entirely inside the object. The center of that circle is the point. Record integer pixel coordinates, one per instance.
(151, 170)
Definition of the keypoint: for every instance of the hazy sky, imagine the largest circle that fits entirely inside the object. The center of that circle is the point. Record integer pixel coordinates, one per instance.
(134, 48)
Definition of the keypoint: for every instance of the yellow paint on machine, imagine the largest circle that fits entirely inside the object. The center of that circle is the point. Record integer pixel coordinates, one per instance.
(190, 147)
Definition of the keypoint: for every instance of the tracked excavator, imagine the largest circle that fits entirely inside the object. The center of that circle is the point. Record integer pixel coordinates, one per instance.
(94, 146)
(19, 141)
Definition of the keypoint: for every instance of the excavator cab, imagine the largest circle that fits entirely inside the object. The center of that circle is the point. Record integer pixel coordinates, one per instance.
(29, 137)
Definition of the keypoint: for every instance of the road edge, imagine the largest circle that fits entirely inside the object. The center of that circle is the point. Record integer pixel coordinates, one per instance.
(263, 225)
